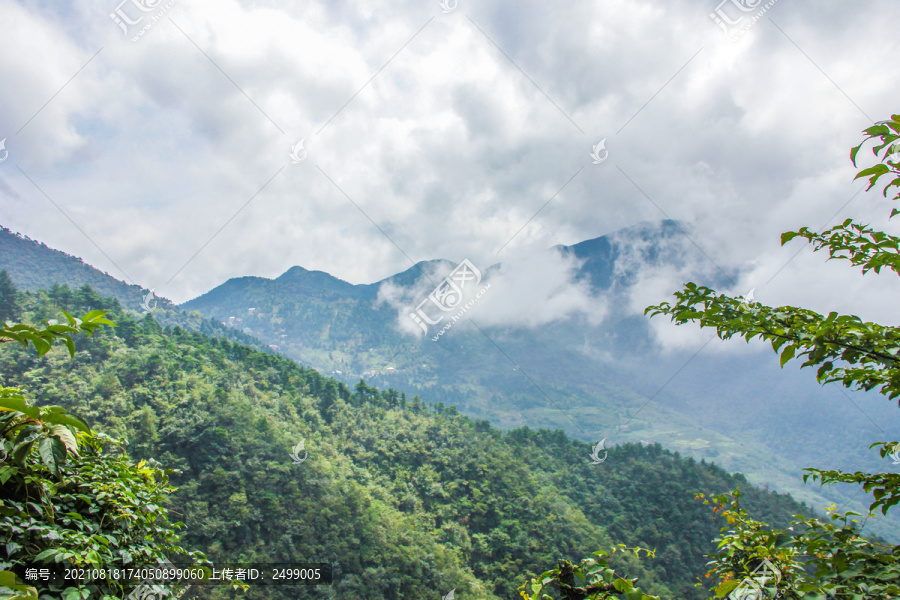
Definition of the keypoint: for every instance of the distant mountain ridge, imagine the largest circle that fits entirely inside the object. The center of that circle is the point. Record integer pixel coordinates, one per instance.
(315, 279)
(590, 381)
(33, 266)
(600, 254)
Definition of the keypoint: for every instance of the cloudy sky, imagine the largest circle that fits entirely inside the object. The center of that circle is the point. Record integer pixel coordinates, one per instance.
(154, 137)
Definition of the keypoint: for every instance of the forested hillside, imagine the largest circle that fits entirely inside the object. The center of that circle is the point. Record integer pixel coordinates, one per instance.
(603, 374)
(739, 409)
(404, 501)
(33, 265)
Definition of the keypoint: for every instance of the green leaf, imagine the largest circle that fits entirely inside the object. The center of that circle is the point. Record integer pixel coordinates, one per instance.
(877, 129)
(18, 404)
(788, 354)
(873, 173)
(6, 472)
(73, 593)
(53, 453)
(726, 587)
(788, 236)
(66, 436)
(41, 345)
(634, 594)
(70, 345)
(52, 328)
(68, 419)
(47, 554)
(20, 452)
(9, 580)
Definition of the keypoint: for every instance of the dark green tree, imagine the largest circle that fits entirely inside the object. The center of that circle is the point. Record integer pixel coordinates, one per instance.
(9, 298)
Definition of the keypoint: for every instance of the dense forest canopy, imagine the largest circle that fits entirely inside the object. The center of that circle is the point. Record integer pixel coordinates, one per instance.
(402, 499)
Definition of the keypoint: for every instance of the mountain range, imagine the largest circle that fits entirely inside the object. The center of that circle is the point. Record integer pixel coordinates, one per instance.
(592, 376)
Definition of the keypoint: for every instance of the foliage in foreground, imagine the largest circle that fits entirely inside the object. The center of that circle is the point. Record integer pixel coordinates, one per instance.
(592, 578)
(812, 559)
(69, 497)
(815, 558)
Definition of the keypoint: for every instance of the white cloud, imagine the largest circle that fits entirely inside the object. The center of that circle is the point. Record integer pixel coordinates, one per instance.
(530, 289)
(449, 149)
(536, 287)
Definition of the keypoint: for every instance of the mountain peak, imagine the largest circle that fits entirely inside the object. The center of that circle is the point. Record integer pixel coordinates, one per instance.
(294, 273)
(298, 274)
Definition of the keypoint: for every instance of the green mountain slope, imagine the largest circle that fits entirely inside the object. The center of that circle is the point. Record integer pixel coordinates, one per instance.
(592, 381)
(33, 266)
(402, 500)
